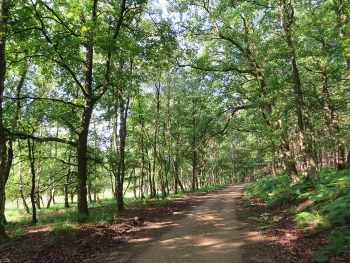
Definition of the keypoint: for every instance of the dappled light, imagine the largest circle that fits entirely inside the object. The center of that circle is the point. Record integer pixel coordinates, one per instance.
(209, 233)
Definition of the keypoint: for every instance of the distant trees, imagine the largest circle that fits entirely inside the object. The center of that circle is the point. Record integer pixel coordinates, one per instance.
(277, 59)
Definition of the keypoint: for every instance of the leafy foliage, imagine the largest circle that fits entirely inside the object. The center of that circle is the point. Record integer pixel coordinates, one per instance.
(329, 203)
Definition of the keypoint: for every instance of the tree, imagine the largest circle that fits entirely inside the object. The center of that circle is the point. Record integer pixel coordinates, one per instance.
(6, 152)
(63, 34)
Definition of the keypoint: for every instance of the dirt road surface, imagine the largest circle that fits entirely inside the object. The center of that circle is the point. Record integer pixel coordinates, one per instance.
(207, 234)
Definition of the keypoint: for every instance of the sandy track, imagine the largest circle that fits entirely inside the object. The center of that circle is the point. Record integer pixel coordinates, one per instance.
(207, 234)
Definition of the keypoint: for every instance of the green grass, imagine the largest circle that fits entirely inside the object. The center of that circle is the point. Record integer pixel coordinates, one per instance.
(58, 219)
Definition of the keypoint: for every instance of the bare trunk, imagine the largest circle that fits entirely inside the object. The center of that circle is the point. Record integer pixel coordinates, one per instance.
(151, 178)
(6, 154)
(49, 201)
(84, 130)
(157, 145)
(194, 170)
(82, 160)
(120, 148)
(66, 202)
(72, 198)
(112, 187)
(24, 203)
(194, 157)
(32, 169)
(88, 192)
(348, 161)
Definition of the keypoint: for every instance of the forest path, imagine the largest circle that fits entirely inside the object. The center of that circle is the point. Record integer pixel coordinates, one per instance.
(209, 233)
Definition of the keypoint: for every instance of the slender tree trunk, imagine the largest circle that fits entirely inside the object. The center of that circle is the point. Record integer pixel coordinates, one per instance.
(37, 189)
(24, 203)
(151, 180)
(194, 170)
(32, 169)
(66, 201)
(17, 118)
(120, 149)
(121, 171)
(6, 152)
(112, 187)
(194, 149)
(157, 145)
(72, 198)
(177, 177)
(49, 200)
(88, 194)
(143, 165)
(348, 161)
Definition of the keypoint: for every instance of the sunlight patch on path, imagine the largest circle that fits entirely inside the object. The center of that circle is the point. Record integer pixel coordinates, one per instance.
(208, 234)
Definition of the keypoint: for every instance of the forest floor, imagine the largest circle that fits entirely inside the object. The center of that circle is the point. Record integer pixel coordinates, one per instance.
(142, 231)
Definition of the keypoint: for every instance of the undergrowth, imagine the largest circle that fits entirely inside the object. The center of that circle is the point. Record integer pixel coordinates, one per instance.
(328, 204)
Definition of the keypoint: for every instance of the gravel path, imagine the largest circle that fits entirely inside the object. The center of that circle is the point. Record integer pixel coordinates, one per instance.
(208, 234)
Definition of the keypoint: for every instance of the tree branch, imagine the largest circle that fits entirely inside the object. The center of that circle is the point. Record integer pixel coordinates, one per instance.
(38, 98)
(40, 139)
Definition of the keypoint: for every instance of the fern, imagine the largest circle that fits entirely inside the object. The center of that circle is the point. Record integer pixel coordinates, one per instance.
(339, 243)
(340, 209)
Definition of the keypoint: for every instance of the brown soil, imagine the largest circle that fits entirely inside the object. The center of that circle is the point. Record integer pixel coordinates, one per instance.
(283, 240)
(138, 228)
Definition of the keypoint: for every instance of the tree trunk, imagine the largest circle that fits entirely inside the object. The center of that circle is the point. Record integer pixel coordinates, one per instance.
(66, 202)
(24, 203)
(85, 123)
(82, 160)
(120, 151)
(177, 177)
(289, 161)
(72, 198)
(18, 106)
(90, 101)
(112, 187)
(32, 170)
(194, 157)
(49, 200)
(53, 195)
(157, 144)
(151, 173)
(342, 20)
(6, 152)
(286, 15)
(37, 190)
(141, 147)
(348, 161)
(88, 192)
(143, 165)
(194, 170)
